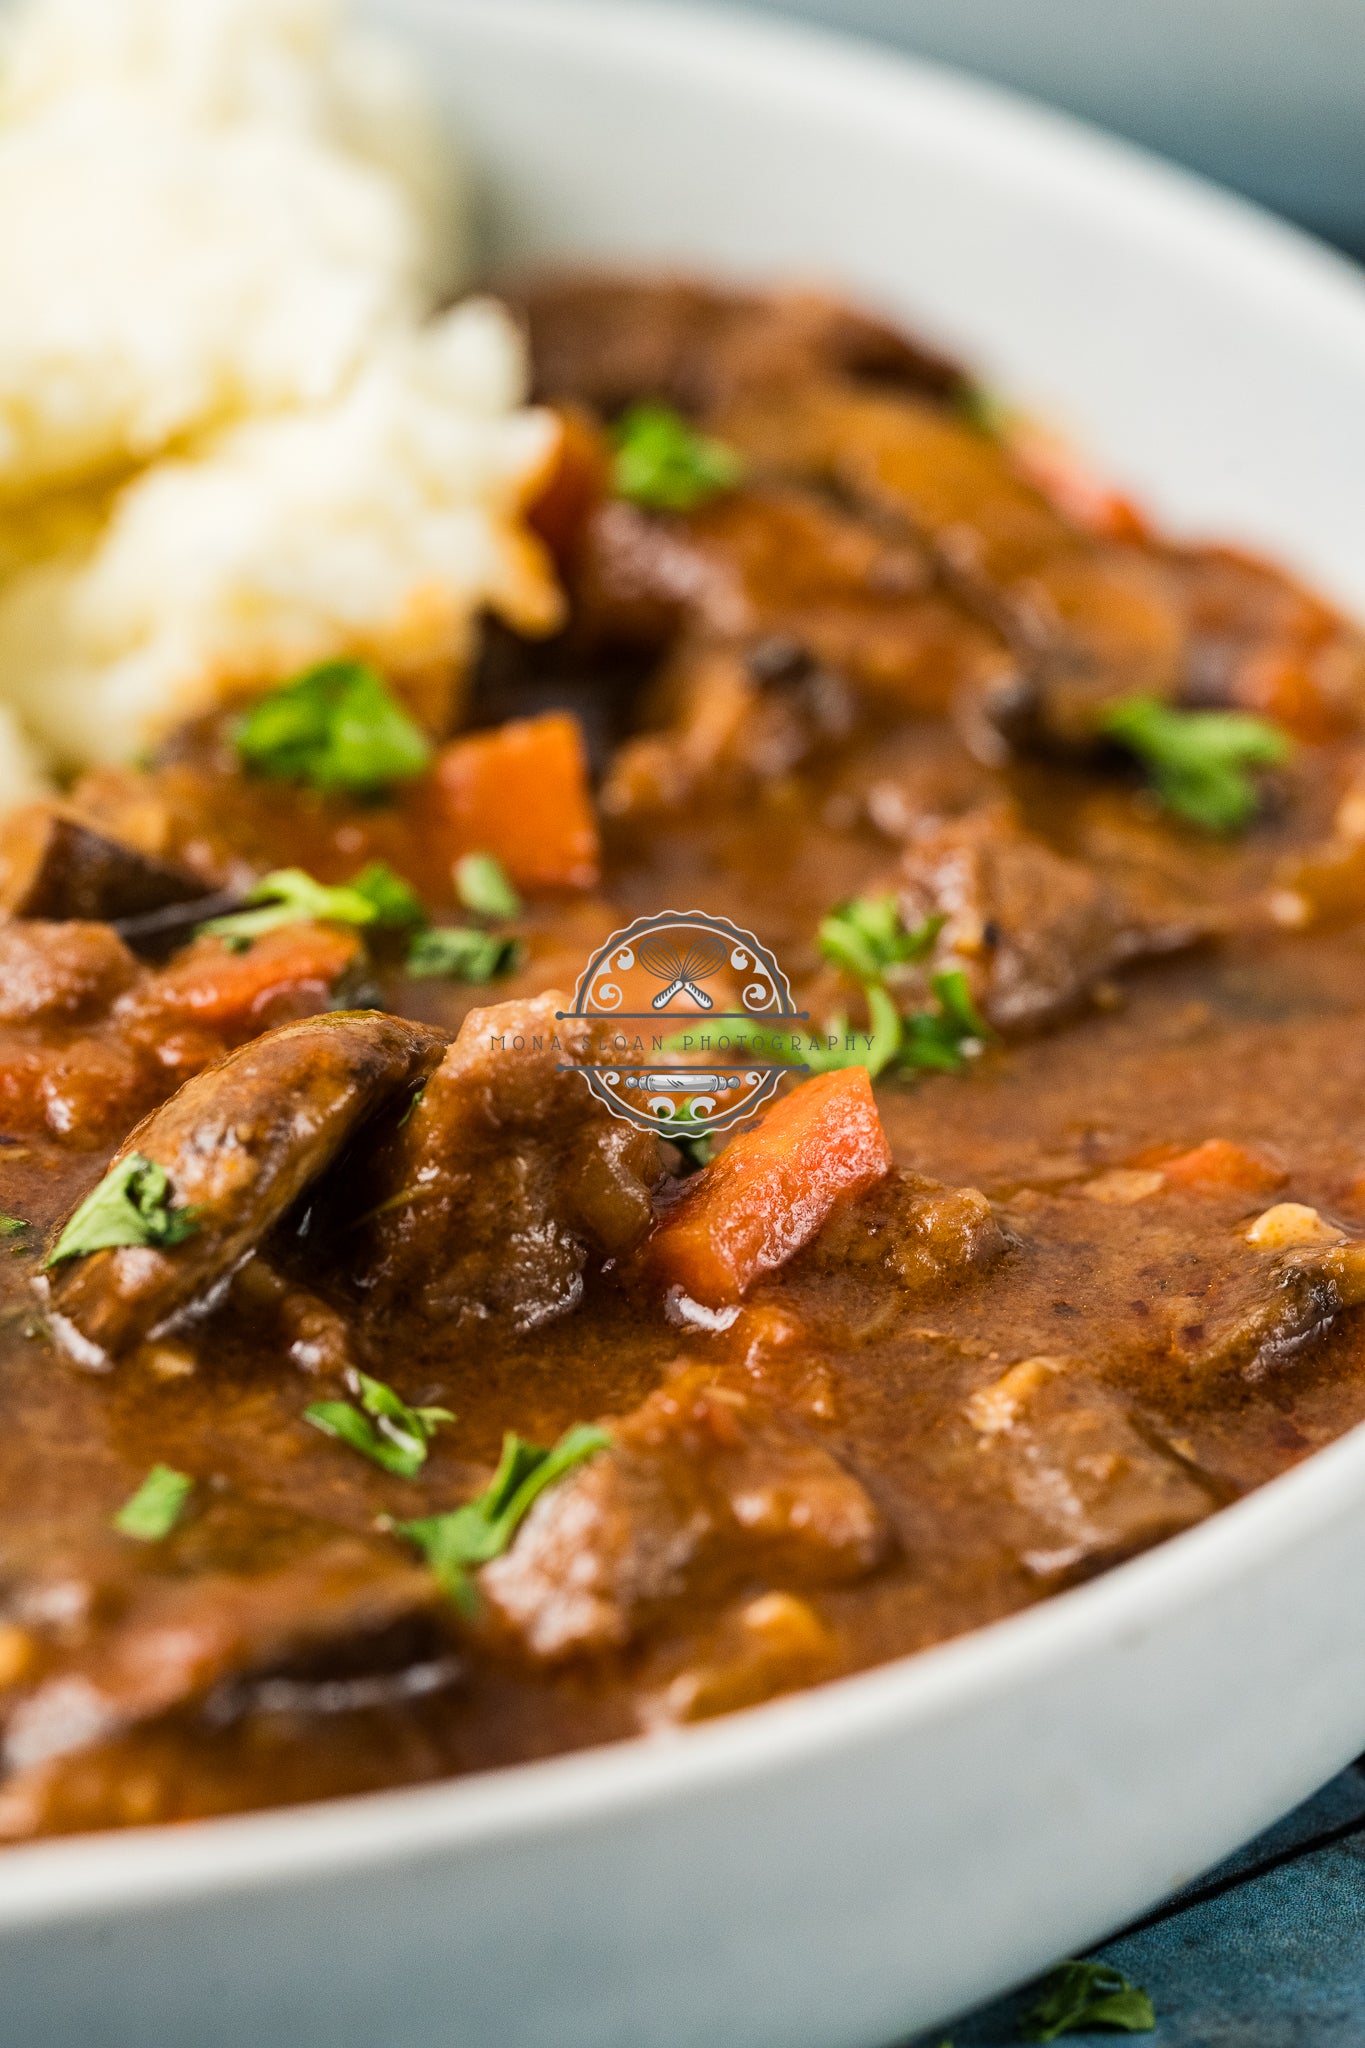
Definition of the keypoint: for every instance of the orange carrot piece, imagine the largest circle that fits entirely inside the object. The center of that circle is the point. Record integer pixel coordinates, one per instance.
(287, 973)
(1218, 1163)
(521, 793)
(770, 1191)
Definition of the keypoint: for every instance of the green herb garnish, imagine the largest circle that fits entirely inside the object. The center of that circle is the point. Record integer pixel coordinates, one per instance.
(885, 1030)
(338, 727)
(665, 464)
(383, 1428)
(397, 903)
(10, 1226)
(944, 1038)
(484, 886)
(457, 1543)
(156, 1507)
(866, 937)
(456, 952)
(131, 1206)
(291, 896)
(1082, 1995)
(1199, 761)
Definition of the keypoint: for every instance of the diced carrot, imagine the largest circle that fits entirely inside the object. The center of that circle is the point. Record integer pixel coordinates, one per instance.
(771, 1189)
(1218, 1163)
(520, 793)
(577, 481)
(1066, 480)
(287, 973)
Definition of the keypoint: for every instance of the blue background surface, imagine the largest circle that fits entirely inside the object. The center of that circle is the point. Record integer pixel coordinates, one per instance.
(1268, 1951)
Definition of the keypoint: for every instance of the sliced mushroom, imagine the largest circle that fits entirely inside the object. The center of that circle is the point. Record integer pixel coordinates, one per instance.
(1089, 618)
(54, 865)
(239, 1144)
(246, 1610)
(1300, 1298)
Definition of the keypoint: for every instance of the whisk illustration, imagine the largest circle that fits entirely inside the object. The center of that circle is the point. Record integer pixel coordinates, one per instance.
(682, 969)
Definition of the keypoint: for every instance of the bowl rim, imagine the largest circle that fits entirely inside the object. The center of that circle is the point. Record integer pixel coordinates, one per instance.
(133, 1870)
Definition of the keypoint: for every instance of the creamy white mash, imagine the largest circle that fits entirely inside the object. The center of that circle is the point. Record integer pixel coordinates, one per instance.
(233, 436)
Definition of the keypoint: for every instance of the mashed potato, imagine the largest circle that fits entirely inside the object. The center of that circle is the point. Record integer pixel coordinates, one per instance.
(379, 523)
(232, 439)
(205, 210)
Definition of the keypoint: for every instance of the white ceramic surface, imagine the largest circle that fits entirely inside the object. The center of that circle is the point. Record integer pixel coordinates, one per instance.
(834, 1870)
(1262, 94)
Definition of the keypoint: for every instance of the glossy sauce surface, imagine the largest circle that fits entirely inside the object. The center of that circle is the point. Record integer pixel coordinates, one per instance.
(1029, 1353)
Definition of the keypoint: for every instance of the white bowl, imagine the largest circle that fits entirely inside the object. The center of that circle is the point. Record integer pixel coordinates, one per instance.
(833, 1870)
(1262, 94)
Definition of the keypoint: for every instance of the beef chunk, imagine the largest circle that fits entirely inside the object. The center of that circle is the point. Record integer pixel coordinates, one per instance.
(704, 1490)
(1092, 1485)
(60, 973)
(608, 342)
(239, 1143)
(1035, 931)
(918, 1234)
(508, 1176)
(241, 1609)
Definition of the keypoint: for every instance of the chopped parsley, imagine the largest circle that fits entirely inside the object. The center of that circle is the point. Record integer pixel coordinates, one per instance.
(156, 1507)
(1199, 762)
(484, 886)
(131, 1206)
(337, 727)
(291, 896)
(456, 952)
(945, 1038)
(397, 903)
(457, 1543)
(1079, 1996)
(866, 937)
(10, 1226)
(665, 464)
(383, 1428)
(886, 1030)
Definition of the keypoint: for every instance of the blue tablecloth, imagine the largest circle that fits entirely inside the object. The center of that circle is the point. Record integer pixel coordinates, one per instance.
(1268, 1951)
